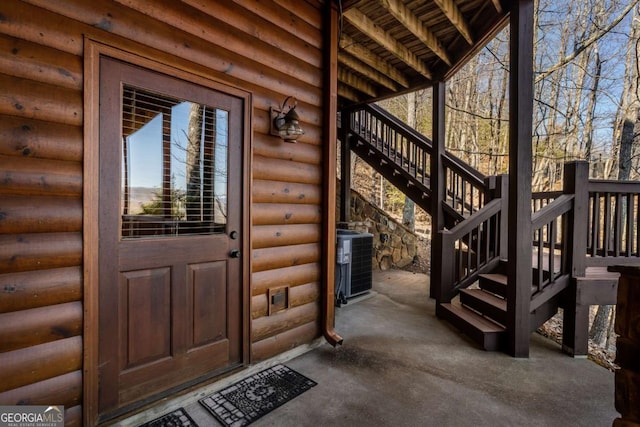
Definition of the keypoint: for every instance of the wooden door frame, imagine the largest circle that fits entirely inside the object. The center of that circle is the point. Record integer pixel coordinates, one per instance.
(125, 50)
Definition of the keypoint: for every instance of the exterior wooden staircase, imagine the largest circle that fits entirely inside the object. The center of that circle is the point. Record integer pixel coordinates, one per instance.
(470, 280)
(481, 312)
(401, 155)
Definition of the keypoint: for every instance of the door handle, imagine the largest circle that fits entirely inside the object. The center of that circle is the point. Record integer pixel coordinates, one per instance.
(234, 253)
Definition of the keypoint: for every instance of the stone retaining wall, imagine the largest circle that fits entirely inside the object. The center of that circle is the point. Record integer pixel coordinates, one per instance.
(394, 245)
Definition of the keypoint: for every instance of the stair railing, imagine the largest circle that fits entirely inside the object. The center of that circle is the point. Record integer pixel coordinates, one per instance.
(410, 151)
(470, 248)
(465, 189)
(405, 147)
(550, 239)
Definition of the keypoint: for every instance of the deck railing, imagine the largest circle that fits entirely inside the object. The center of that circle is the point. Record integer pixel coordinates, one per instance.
(607, 227)
(613, 216)
(589, 223)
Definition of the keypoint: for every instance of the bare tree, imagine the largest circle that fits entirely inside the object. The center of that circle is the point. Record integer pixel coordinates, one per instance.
(409, 210)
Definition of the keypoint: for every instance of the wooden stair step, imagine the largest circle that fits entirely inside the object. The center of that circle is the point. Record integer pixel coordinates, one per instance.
(486, 303)
(495, 283)
(487, 334)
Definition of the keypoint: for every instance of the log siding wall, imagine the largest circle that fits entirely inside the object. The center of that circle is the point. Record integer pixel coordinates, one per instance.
(271, 49)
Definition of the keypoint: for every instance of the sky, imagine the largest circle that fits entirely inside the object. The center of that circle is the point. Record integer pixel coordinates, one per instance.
(145, 149)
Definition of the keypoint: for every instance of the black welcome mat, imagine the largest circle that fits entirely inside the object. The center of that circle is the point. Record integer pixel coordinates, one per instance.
(244, 402)
(177, 418)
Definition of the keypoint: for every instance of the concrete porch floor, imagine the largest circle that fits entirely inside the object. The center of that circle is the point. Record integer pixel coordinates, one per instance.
(401, 366)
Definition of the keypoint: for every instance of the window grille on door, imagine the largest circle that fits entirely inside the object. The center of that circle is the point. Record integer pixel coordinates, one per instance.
(174, 166)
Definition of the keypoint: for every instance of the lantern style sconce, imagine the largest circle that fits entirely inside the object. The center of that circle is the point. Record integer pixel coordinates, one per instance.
(286, 126)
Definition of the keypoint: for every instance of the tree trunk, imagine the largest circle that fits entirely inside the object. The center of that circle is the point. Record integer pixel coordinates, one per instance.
(194, 137)
(409, 210)
(591, 108)
(611, 329)
(627, 113)
(600, 325)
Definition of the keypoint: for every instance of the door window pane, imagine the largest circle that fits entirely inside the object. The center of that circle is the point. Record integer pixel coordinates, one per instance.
(174, 166)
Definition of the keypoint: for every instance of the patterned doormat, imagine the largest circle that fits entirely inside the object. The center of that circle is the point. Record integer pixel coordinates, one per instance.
(245, 401)
(177, 418)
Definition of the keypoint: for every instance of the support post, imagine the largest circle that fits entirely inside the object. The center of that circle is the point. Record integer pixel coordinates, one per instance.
(502, 191)
(345, 168)
(437, 183)
(519, 270)
(575, 324)
(576, 182)
(575, 329)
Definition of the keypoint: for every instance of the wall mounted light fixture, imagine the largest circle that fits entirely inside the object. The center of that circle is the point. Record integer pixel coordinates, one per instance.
(286, 125)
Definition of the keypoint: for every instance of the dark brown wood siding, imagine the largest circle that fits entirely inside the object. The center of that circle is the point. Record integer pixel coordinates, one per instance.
(271, 49)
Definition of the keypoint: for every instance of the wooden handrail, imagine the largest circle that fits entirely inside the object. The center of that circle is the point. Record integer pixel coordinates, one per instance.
(542, 195)
(479, 233)
(398, 125)
(559, 206)
(473, 176)
(613, 231)
(464, 227)
(446, 207)
(609, 186)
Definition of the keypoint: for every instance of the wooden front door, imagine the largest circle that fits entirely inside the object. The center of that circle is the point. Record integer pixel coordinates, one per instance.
(170, 218)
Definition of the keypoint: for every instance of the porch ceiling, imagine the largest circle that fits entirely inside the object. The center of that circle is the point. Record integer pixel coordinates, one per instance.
(389, 47)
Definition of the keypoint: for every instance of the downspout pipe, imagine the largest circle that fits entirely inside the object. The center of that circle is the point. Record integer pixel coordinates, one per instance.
(330, 138)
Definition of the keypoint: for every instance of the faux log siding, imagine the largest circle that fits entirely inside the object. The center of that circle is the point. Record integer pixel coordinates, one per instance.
(266, 191)
(40, 177)
(41, 362)
(292, 276)
(292, 338)
(267, 236)
(285, 256)
(40, 101)
(32, 289)
(34, 138)
(249, 44)
(38, 63)
(20, 329)
(63, 390)
(27, 252)
(287, 171)
(268, 326)
(24, 214)
(298, 295)
(273, 213)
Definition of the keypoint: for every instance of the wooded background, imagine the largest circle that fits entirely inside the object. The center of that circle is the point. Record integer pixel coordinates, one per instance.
(586, 106)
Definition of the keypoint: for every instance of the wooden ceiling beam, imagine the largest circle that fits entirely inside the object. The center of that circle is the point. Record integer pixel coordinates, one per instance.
(365, 55)
(367, 71)
(406, 17)
(346, 92)
(356, 82)
(497, 5)
(454, 14)
(383, 38)
(348, 4)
